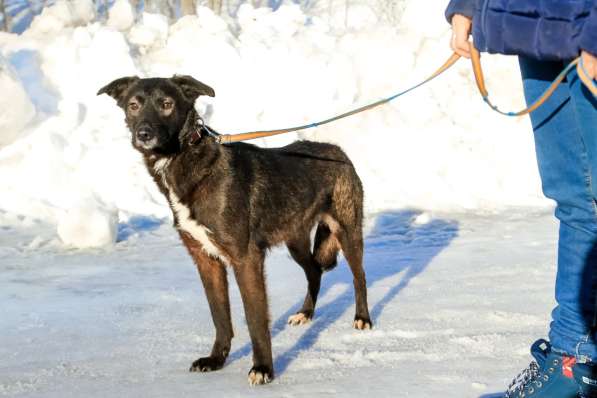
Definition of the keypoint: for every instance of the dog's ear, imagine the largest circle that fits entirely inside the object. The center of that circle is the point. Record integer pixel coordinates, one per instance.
(191, 87)
(118, 87)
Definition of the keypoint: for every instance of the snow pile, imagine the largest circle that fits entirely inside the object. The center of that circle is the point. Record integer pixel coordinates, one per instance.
(63, 14)
(151, 31)
(16, 100)
(439, 148)
(88, 226)
(121, 16)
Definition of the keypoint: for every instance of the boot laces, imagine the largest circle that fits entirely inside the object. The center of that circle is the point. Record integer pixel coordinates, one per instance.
(523, 379)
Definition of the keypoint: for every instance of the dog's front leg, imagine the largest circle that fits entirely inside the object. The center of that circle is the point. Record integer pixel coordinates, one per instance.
(215, 282)
(251, 282)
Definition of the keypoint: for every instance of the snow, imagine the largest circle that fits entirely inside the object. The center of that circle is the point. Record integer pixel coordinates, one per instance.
(152, 31)
(129, 320)
(22, 109)
(62, 14)
(121, 15)
(88, 225)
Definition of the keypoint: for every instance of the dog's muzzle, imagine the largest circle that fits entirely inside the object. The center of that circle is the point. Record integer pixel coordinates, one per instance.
(145, 137)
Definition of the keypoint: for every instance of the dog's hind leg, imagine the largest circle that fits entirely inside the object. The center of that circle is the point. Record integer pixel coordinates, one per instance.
(215, 282)
(300, 251)
(250, 277)
(347, 210)
(352, 247)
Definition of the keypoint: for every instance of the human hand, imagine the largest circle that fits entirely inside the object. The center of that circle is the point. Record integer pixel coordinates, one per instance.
(589, 62)
(461, 30)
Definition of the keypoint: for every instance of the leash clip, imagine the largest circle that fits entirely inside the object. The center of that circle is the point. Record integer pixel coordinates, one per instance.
(212, 133)
(203, 127)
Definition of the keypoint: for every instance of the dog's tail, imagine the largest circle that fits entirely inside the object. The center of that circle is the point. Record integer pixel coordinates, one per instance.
(326, 247)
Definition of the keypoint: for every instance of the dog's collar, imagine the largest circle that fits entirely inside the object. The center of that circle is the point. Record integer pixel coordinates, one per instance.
(195, 136)
(202, 129)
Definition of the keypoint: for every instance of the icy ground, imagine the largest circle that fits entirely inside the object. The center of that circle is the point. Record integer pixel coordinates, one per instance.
(456, 299)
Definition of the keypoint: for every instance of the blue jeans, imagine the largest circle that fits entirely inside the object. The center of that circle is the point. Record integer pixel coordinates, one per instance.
(566, 145)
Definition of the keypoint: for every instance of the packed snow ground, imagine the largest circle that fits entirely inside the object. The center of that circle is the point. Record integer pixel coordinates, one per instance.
(456, 300)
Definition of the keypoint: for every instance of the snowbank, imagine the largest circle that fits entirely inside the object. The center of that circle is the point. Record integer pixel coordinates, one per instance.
(18, 110)
(439, 148)
(121, 16)
(88, 225)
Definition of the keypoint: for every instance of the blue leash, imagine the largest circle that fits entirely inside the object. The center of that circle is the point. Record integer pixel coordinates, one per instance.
(229, 138)
(478, 71)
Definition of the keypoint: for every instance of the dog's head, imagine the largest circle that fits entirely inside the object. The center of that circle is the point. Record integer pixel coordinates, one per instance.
(156, 109)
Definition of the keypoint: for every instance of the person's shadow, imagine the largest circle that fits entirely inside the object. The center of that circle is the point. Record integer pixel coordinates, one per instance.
(396, 244)
(137, 224)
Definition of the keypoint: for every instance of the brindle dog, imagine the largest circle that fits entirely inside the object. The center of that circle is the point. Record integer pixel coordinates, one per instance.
(231, 203)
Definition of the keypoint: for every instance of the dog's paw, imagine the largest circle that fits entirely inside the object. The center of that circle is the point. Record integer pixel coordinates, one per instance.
(362, 323)
(207, 364)
(260, 375)
(300, 318)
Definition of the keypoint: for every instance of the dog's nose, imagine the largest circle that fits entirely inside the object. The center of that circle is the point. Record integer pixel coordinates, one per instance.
(144, 135)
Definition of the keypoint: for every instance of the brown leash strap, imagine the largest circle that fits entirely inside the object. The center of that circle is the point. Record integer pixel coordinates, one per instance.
(584, 77)
(479, 78)
(229, 138)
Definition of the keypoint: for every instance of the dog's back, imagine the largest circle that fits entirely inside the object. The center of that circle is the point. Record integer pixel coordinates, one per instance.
(300, 185)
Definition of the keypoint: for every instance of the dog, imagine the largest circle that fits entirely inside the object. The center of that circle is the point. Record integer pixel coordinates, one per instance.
(233, 202)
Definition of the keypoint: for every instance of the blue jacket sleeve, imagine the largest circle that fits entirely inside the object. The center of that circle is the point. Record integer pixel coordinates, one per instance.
(588, 36)
(464, 7)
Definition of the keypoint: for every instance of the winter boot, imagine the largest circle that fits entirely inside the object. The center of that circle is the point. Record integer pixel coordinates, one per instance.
(586, 377)
(551, 375)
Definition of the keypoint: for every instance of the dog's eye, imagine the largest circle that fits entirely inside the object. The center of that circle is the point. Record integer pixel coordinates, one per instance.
(133, 106)
(167, 105)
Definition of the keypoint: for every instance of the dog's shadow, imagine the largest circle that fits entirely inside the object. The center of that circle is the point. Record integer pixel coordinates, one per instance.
(396, 244)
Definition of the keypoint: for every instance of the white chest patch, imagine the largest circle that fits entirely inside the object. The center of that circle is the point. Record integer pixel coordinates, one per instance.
(183, 214)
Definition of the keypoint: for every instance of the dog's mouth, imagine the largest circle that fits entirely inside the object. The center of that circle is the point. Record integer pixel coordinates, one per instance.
(146, 137)
(146, 144)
